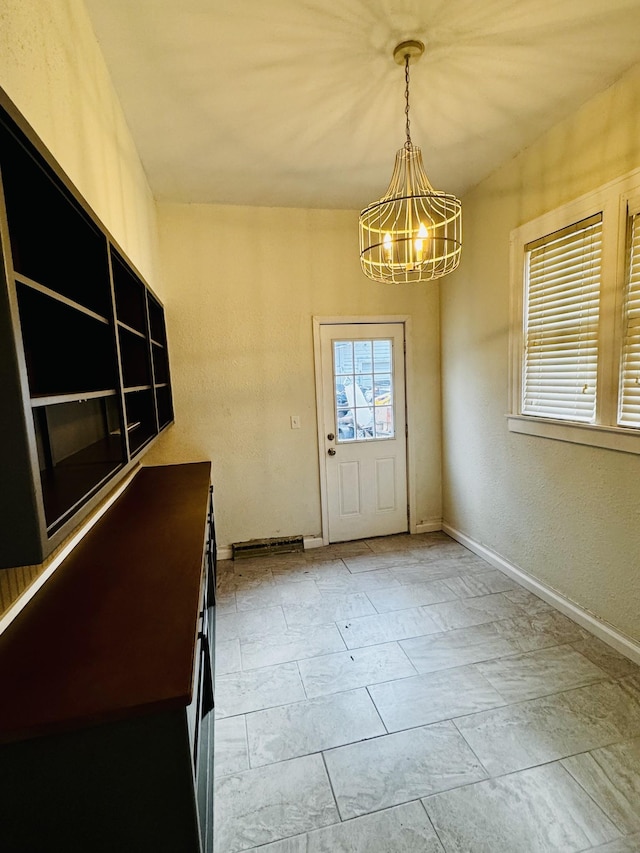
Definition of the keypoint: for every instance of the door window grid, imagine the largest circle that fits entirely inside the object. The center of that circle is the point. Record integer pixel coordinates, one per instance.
(364, 406)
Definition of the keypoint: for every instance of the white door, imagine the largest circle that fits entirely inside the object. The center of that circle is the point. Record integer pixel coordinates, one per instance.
(364, 438)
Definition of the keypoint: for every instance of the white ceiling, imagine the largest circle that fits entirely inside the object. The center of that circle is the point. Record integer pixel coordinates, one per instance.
(298, 103)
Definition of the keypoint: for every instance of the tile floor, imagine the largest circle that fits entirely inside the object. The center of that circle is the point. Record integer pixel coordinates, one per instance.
(399, 695)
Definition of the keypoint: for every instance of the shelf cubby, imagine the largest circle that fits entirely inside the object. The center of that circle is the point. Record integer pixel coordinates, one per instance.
(66, 350)
(130, 295)
(165, 407)
(83, 386)
(156, 322)
(134, 357)
(160, 364)
(79, 445)
(141, 423)
(45, 222)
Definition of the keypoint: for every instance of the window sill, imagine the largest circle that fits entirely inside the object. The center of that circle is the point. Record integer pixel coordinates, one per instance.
(611, 438)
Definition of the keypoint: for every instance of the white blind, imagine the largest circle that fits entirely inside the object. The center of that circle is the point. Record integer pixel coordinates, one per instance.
(629, 405)
(561, 322)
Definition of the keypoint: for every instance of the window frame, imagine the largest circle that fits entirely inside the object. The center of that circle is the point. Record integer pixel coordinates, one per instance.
(613, 200)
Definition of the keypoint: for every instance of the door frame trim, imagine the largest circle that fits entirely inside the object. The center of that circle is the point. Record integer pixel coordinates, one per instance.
(364, 320)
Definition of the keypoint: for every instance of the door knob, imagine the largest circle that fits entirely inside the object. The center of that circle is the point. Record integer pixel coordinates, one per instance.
(331, 451)
(331, 436)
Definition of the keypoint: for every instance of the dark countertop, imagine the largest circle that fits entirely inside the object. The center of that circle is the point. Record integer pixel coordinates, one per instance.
(112, 633)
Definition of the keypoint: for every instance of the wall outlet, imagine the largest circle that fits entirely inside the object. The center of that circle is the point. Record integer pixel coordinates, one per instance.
(295, 421)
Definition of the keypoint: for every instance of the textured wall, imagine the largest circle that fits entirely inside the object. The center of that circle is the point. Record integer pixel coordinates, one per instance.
(52, 69)
(567, 514)
(242, 287)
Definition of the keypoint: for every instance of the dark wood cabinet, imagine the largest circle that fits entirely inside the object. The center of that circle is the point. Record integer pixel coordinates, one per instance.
(84, 368)
(106, 722)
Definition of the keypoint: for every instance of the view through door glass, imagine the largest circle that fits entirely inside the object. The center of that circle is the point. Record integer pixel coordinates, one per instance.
(362, 371)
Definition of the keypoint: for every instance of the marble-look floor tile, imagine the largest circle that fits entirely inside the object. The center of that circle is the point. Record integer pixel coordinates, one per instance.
(226, 585)
(227, 658)
(273, 802)
(230, 753)
(272, 594)
(529, 602)
(253, 571)
(448, 649)
(357, 668)
(447, 549)
(608, 659)
(397, 768)
(434, 539)
(394, 542)
(631, 684)
(542, 810)
(249, 624)
(410, 595)
(386, 627)
(463, 613)
(292, 644)
(225, 602)
(332, 608)
(480, 583)
(402, 829)
(540, 630)
(311, 726)
(297, 844)
(346, 584)
(370, 562)
(424, 699)
(315, 570)
(540, 673)
(342, 549)
(425, 572)
(628, 844)
(464, 561)
(611, 776)
(250, 580)
(242, 692)
(541, 730)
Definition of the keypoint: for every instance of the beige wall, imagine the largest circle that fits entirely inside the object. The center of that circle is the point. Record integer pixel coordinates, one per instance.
(567, 514)
(52, 69)
(242, 287)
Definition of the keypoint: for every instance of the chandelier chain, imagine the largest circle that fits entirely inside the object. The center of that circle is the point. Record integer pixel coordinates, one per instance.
(407, 144)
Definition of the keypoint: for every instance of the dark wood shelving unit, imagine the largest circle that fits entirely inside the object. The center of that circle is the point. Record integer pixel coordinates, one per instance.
(79, 331)
(68, 483)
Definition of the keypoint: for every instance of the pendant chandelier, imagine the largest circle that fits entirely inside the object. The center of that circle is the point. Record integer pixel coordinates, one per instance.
(413, 233)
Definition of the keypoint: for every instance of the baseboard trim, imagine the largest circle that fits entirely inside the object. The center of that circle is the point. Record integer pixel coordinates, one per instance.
(313, 542)
(598, 627)
(430, 526)
(224, 552)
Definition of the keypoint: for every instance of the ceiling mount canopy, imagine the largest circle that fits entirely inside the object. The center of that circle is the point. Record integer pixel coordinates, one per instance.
(413, 233)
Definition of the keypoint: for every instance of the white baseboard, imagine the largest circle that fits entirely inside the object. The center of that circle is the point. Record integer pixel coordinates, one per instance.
(224, 552)
(601, 629)
(313, 542)
(430, 526)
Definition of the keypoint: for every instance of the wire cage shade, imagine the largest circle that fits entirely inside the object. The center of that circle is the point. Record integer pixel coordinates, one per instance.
(413, 233)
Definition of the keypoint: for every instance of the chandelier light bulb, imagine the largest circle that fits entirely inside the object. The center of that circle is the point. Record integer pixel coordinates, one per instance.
(413, 233)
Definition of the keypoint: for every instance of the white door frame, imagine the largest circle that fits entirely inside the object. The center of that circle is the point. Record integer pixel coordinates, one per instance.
(408, 378)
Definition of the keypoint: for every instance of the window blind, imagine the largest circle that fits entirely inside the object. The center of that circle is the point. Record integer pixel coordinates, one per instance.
(561, 322)
(629, 401)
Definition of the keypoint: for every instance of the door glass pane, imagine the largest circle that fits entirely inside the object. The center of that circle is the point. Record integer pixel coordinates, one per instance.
(363, 372)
